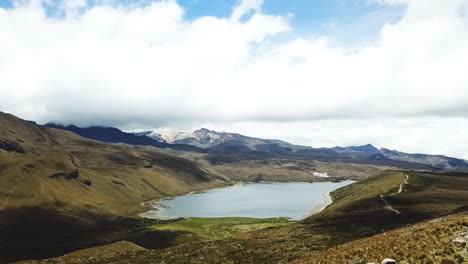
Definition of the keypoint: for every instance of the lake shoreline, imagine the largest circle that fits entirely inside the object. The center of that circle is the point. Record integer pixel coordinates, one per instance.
(327, 200)
(254, 200)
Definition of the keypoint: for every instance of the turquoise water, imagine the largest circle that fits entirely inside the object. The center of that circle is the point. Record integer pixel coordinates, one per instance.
(258, 200)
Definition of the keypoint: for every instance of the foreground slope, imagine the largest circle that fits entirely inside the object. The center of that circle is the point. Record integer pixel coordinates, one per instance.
(433, 241)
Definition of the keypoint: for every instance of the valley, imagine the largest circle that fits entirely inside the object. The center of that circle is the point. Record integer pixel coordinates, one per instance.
(356, 226)
(65, 198)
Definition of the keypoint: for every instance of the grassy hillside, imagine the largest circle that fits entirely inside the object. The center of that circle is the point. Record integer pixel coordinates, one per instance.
(59, 169)
(295, 170)
(426, 242)
(218, 228)
(256, 168)
(108, 177)
(360, 209)
(58, 190)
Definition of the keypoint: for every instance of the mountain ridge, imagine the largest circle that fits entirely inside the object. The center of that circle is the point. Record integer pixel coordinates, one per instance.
(115, 135)
(205, 138)
(211, 141)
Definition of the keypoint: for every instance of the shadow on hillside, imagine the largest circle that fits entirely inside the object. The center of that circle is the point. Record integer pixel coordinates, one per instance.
(35, 233)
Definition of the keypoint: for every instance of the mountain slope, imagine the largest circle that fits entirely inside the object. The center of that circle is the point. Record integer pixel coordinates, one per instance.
(38, 162)
(426, 242)
(59, 190)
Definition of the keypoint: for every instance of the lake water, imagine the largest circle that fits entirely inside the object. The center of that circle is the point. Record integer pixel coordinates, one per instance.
(258, 200)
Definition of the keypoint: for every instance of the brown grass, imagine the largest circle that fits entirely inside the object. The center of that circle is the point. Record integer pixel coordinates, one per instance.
(118, 177)
(429, 242)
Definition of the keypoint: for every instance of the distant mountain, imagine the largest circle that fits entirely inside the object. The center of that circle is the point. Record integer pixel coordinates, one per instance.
(143, 133)
(203, 138)
(114, 135)
(107, 134)
(369, 152)
(438, 161)
(169, 136)
(364, 148)
(214, 142)
(235, 143)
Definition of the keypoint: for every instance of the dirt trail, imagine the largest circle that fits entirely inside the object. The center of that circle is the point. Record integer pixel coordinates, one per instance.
(387, 205)
(401, 185)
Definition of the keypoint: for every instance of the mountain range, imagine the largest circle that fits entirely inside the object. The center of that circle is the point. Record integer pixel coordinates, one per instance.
(209, 141)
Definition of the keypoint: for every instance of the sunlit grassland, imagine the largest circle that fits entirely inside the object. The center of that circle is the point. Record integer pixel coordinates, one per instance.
(216, 228)
(428, 242)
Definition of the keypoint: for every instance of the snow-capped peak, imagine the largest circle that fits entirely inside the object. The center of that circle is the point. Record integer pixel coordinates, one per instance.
(168, 135)
(207, 136)
(201, 138)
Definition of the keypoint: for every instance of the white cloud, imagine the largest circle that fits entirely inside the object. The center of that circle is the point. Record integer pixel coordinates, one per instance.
(149, 66)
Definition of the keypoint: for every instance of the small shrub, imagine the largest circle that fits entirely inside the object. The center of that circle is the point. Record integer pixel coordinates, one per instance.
(88, 182)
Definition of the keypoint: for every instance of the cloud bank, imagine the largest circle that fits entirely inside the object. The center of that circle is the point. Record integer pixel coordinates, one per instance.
(148, 66)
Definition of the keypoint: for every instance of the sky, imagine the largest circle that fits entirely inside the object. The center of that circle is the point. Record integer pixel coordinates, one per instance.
(313, 72)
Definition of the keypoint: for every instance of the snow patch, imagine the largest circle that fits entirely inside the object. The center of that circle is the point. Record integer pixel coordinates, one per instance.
(169, 136)
(320, 174)
(203, 136)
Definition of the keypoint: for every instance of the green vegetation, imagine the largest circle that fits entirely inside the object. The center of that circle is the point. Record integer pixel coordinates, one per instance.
(216, 228)
(352, 196)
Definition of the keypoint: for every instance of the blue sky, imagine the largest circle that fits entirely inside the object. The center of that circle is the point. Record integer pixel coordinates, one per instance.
(344, 21)
(306, 12)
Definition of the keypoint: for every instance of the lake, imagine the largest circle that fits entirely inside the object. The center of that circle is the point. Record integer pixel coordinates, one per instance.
(257, 200)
